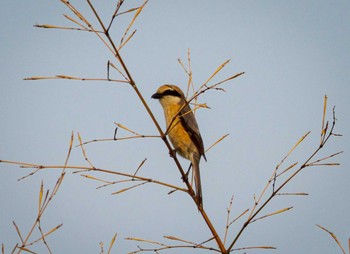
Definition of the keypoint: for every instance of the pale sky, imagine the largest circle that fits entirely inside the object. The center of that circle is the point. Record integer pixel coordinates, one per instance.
(292, 52)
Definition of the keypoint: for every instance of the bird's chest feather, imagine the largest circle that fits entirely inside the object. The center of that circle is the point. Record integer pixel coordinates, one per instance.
(178, 135)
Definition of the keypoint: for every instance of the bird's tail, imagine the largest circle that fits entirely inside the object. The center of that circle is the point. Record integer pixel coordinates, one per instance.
(197, 182)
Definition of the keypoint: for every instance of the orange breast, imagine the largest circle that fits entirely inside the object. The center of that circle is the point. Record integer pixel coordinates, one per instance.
(178, 135)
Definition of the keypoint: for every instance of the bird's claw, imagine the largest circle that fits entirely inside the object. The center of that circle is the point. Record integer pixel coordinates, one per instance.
(185, 177)
(172, 153)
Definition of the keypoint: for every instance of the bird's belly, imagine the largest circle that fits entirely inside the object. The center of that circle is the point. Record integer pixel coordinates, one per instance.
(181, 141)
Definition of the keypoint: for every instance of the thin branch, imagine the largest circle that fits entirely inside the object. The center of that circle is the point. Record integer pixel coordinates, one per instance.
(127, 129)
(287, 169)
(84, 152)
(81, 17)
(106, 183)
(48, 26)
(76, 12)
(334, 237)
(167, 247)
(112, 243)
(123, 43)
(30, 174)
(25, 249)
(293, 194)
(293, 148)
(324, 130)
(119, 4)
(188, 72)
(137, 13)
(255, 247)
(76, 22)
(43, 236)
(174, 238)
(325, 158)
(128, 188)
(119, 139)
(217, 142)
(74, 78)
(119, 71)
(139, 167)
(18, 232)
(239, 216)
(143, 240)
(271, 214)
(227, 219)
(215, 72)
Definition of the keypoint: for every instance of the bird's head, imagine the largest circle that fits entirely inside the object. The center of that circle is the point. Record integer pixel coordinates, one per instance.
(168, 95)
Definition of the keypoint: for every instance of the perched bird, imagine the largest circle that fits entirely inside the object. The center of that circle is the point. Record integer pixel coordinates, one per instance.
(182, 129)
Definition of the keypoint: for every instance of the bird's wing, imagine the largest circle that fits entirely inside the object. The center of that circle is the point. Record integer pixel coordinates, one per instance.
(190, 124)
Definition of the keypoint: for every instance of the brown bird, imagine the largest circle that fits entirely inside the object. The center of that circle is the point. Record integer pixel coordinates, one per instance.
(182, 129)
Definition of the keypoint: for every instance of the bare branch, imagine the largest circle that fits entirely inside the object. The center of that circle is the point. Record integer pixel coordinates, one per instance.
(74, 78)
(139, 167)
(255, 247)
(227, 219)
(324, 129)
(217, 142)
(271, 214)
(83, 151)
(137, 13)
(47, 26)
(119, 4)
(18, 232)
(112, 243)
(334, 237)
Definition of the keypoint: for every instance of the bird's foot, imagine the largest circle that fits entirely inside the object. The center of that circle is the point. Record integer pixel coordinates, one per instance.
(185, 177)
(172, 153)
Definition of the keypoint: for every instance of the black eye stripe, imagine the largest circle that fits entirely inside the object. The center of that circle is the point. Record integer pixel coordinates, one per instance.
(171, 92)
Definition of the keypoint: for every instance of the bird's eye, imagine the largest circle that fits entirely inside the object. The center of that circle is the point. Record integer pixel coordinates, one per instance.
(171, 93)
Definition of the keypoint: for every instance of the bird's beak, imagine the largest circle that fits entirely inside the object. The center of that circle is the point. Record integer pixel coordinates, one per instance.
(156, 96)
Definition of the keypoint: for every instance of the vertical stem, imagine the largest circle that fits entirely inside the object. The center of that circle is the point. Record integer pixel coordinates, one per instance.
(213, 231)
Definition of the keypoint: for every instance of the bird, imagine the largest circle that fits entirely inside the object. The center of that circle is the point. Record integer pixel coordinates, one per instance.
(182, 129)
